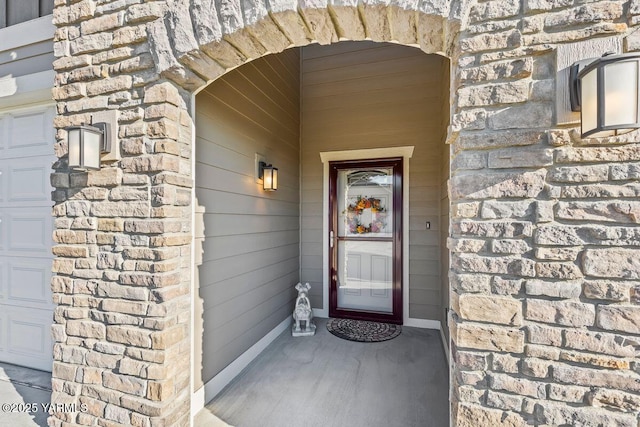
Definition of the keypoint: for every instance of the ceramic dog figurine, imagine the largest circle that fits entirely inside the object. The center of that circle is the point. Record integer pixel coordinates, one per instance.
(302, 313)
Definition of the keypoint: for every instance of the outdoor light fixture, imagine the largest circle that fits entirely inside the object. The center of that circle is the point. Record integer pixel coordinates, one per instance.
(606, 91)
(86, 145)
(269, 176)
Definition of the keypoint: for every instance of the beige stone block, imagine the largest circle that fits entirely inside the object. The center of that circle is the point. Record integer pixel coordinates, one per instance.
(619, 318)
(495, 41)
(614, 399)
(606, 211)
(110, 224)
(504, 401)
(493, 94)
(129, 35)
(103, 361)
(494, 209)
(612, 263)
(594, 360)
(125, 307)
(143, 406)
(468, 415)
(89, 375)
(163, 92)
(505, 363)
(493, 309)
(585, 14)
(86, 329)
(124, 383)
(555, 414)
(622, 153)
(568, 313)
(502, 286)
(110, 85)
(608, 290)
(90, 43)
(63, 266)
(558, 254)
(70, 251)
(491, 338)
(558, 270)
(164, 339)
(567, 393)
(498, 185)
(564, 289)
(102, 394)
(160, 390)
(94, 407)
(475, 283)
(129, 335)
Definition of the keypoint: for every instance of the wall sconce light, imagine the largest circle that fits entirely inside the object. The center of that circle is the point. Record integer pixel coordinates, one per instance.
(87, 143)
(606, 91)
(269, 176)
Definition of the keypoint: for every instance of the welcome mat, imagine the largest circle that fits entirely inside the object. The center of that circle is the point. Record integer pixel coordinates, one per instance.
(362, 330)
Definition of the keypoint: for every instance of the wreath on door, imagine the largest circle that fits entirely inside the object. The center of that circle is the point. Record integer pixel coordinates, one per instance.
(355, 212)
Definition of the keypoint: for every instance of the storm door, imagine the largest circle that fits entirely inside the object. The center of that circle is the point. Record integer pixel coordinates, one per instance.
(365, 230)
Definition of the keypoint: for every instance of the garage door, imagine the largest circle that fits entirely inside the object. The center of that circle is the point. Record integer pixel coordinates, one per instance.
(26, 309)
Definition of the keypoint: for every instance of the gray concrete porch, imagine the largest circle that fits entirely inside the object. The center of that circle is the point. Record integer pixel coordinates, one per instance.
(326, 381)
(19, 386)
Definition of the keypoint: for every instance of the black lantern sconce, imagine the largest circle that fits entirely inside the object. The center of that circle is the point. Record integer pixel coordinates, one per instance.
(606, 91)
(87, 144)
(269, 176)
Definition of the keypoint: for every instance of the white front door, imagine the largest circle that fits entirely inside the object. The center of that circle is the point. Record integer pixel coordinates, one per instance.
(26, 307)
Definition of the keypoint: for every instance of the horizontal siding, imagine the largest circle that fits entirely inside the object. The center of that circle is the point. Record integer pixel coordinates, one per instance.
(27, 59)
(247, 240)
(358, 95)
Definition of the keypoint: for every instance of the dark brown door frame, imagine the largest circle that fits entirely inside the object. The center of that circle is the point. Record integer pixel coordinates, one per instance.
(396, 163)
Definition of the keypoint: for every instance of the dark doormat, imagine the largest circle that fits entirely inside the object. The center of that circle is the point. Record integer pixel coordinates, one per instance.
(362, 330)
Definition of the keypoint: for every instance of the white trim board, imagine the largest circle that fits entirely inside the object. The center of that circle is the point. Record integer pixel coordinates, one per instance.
(372, 153)
(27, 32)
(27, 89)
(214, 386)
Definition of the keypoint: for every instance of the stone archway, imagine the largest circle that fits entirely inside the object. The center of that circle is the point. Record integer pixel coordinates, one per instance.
(546, 319)
(123, 234)
(197, 42)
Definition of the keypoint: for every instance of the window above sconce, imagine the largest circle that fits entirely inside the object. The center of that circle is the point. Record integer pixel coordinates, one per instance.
(606, 91)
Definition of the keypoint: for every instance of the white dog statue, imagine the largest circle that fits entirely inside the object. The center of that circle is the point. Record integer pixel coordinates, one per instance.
(302, 313)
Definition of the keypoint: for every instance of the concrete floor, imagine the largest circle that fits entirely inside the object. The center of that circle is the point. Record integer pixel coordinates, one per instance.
(20, 385)
(325, 381)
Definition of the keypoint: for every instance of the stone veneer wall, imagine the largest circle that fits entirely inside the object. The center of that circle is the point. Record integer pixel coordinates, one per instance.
(545, 320)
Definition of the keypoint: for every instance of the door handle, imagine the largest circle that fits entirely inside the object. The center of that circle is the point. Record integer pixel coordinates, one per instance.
(331, 239)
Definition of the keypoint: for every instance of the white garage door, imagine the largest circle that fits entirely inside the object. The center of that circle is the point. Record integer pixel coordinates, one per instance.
(26, 308)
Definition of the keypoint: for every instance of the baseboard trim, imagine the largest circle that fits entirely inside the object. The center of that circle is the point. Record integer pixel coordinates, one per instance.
(422, 323)
(214, 386)
(321, 313)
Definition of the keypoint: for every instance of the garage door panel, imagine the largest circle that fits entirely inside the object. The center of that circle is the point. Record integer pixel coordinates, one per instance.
(29, 234)
(25, 337)
(28, 182)
(26, 224)
(28, 284)
(27, 133)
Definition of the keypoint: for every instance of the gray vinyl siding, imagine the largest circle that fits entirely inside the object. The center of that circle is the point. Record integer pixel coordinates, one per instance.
(358, 95)
(247, 240)
(27, 59)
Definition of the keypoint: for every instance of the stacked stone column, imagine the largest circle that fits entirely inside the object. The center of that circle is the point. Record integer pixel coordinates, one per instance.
(123, 233)
(545, 233)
